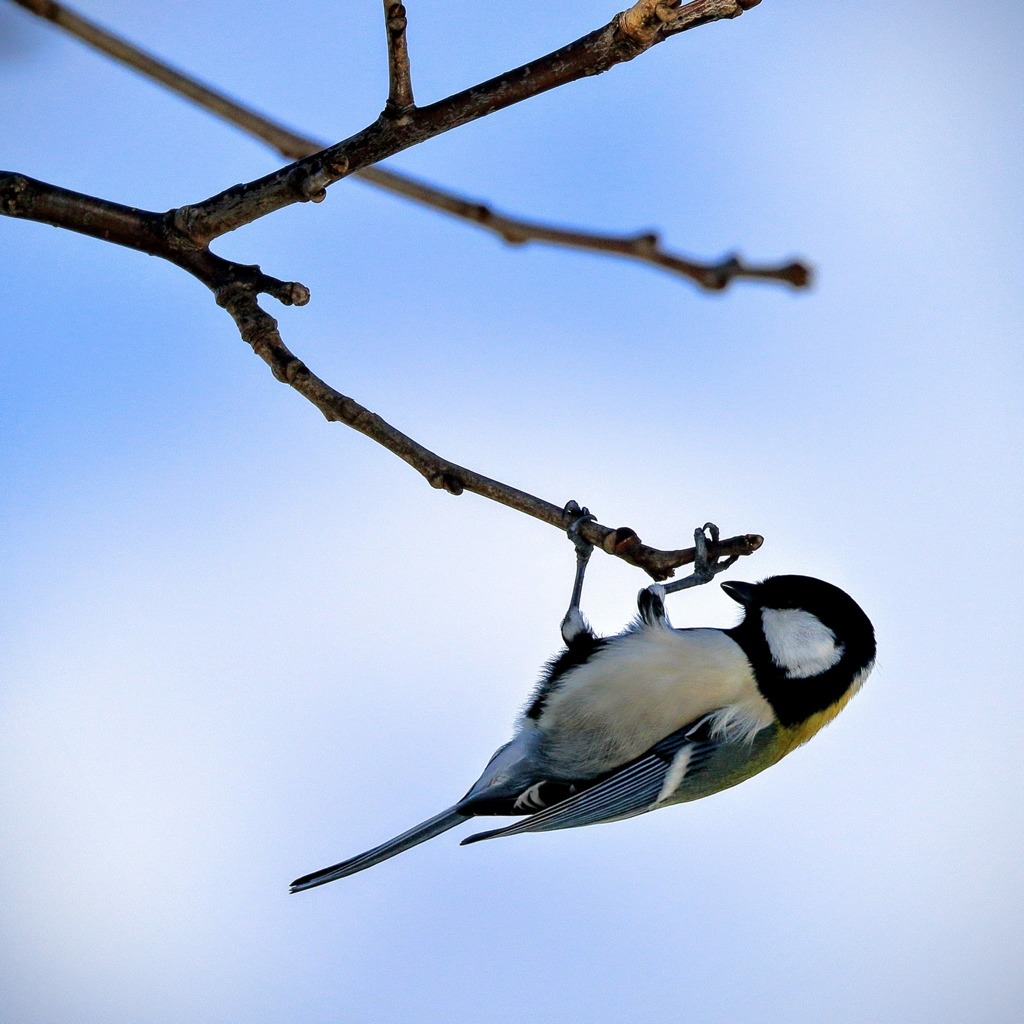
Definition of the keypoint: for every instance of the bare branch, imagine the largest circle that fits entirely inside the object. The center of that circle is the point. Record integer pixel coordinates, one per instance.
(153, 233)
(645, 246)
(642, 246)
(237, 287)
(400, 93)
(182, 237)
(260, 330)
(590, 55)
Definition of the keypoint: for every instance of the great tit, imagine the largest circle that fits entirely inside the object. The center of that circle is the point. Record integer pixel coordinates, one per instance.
(622, 725)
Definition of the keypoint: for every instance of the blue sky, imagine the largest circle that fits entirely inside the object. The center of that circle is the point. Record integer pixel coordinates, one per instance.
(238, 643)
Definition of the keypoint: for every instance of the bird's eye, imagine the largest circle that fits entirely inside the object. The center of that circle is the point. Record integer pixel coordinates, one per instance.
(800, 643)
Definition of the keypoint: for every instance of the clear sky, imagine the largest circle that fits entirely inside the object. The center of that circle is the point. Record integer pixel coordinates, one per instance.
(238, 643)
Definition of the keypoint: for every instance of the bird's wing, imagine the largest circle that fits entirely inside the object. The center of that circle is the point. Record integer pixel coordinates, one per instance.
(636, 787)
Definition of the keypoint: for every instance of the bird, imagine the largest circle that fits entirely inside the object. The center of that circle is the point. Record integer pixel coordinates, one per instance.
(618, 726)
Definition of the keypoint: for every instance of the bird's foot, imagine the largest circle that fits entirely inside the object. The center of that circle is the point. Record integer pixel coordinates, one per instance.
(573, 624)
(705, 566)
(577, 516)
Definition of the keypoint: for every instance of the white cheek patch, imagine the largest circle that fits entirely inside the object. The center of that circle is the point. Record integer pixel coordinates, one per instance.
(801, 644)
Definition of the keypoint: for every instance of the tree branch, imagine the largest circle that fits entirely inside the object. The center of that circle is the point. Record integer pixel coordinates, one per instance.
(642, 246)
(143, 230)
(400, 92)
(182, 237)
(260, 330)
(237, 287)
(306, 178)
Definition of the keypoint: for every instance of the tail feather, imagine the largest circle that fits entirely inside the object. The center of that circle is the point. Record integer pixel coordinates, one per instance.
(418, 834)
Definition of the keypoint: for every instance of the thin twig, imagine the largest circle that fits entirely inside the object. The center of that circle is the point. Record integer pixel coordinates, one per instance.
(643, 246)
(400, 91)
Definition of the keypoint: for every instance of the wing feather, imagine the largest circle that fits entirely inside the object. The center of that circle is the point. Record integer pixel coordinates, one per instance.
(632, 789)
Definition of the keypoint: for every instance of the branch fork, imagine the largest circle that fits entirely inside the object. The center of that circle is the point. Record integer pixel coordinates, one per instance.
(182, 236)
(293, 146)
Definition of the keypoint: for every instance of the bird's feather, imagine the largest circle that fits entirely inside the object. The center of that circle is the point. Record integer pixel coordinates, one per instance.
(632, 789)
(413, 837)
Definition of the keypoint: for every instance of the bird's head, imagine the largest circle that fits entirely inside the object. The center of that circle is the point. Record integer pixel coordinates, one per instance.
(810, 644)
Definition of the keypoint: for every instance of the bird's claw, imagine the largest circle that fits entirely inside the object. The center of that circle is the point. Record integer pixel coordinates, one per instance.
(705, 567)
(578, 515)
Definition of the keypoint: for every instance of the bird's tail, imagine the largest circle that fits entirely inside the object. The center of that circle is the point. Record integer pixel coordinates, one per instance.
(418, 834)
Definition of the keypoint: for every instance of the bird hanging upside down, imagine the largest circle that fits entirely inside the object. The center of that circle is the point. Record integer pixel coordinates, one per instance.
(653, 716)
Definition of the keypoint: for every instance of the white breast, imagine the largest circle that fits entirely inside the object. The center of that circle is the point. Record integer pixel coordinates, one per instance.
(640, 688)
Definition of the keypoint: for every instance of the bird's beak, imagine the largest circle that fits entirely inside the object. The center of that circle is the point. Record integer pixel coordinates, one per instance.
(742, 593)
